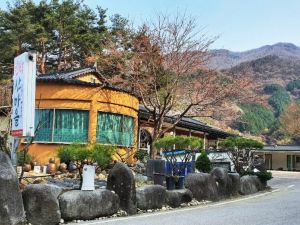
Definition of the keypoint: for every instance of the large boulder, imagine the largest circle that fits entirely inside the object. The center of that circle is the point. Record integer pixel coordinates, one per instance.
(157, 166)
(121, 181)
(176, 197)
(151, 197)
(41, 204)
(250, 184)
(11, 203)
(235, 183)
(223, 181)
(202, 185)
(87, 205)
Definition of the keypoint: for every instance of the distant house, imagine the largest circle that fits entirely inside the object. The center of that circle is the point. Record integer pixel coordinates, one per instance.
(281, 157)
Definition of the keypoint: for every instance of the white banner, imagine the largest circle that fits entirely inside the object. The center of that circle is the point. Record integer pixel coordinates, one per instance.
(23, 97)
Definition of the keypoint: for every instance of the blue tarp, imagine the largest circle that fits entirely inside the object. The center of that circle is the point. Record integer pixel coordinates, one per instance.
(177, 152)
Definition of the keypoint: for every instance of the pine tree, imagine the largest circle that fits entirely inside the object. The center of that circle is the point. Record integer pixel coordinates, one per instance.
(203, 163)
(65, 34)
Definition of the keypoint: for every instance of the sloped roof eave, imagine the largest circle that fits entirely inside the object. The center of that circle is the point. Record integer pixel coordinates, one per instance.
(189, 124)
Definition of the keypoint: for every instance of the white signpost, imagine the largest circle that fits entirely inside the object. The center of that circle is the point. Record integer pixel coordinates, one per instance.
(23, 98)
(88, 178)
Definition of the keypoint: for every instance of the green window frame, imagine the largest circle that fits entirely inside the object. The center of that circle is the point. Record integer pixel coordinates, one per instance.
(62, 125)
(43, 124)
(115, 129)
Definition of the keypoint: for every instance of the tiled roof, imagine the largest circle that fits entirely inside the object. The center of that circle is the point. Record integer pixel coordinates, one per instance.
(281, 148)
(190, 123)
(68, 77)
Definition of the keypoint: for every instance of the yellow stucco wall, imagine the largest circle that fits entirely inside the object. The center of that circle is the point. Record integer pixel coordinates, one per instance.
(94, 99)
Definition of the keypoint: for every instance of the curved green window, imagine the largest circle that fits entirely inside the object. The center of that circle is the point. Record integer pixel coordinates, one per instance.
(61, 125)
(43, 124)
(115, 129)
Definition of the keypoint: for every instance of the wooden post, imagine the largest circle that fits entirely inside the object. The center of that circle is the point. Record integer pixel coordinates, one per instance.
(13, 151)
(204, 141)
(174, 135)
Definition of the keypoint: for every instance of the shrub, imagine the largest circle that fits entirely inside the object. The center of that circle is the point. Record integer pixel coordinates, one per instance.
(195, 143)
(101, 154)
(141, 155)
(165, 143)
(23, 158)
(180, 142)
(73, 153)
(231, 143)
(238, 149)
(203, 163)
(81, 154)
(263, 176)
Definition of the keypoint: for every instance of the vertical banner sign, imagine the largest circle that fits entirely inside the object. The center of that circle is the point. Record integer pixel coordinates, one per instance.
(23, 97)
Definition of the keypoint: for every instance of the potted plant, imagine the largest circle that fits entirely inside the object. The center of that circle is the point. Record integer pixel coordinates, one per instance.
(24, 160)
(178, 152)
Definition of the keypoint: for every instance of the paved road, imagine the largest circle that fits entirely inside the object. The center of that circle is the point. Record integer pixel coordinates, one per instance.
(281, 206)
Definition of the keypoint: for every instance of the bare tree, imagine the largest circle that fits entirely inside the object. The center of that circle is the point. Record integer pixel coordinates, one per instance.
(167, 70)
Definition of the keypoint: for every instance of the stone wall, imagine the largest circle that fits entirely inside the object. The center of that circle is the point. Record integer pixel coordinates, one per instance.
(49, 204)
(220, 184)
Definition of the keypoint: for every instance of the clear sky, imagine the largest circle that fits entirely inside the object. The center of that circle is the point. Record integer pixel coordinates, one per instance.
(241, 24)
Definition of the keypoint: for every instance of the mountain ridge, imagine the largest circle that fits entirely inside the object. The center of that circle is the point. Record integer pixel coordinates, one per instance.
(225, 59)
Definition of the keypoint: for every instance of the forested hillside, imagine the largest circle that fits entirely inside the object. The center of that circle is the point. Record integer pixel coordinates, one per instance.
(270, 69)
(277, 81)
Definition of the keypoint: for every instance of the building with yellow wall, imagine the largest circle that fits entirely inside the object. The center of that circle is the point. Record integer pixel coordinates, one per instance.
(80, 106)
